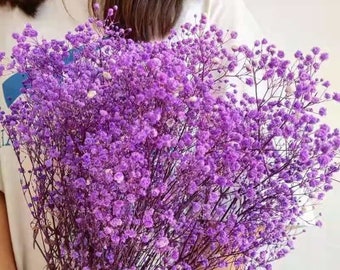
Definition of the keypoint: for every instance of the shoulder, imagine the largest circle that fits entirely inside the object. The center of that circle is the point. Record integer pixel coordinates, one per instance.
(226, 14)
(53, 19)
(233, 15)
(12, 20)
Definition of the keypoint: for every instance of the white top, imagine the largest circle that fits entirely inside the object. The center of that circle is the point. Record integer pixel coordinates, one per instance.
(53, 21)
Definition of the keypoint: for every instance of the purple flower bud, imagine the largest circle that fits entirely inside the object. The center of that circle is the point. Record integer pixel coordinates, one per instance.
(131, 233)
(322, 111)
(318, 223)
(103, 113)
(233, 35)
(119, 177)
(316, 50)
(298, 54)
(48, 163)
(162, 242)
(336, 97)
(324, 56)
(250, 81)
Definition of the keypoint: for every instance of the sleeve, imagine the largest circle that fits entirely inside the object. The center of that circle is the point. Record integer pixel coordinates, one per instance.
(235, 16)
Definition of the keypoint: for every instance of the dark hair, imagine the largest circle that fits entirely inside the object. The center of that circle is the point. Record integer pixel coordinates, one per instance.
(147, 19)
(30, 7)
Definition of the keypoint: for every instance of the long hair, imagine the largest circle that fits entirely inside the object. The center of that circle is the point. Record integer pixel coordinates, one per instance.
(148, 19)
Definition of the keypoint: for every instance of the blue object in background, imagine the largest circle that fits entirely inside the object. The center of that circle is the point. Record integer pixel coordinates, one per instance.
(70, 57)
(13, 85)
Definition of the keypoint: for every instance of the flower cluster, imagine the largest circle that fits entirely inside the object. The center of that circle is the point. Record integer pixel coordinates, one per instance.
(178, 154)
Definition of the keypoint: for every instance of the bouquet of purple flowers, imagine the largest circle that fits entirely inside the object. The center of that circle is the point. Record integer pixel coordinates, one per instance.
(175, 154)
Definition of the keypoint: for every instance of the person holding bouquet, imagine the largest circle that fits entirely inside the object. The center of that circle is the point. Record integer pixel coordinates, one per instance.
(149, 20)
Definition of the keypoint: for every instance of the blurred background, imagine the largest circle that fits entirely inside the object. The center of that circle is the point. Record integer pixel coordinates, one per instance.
(302, 24)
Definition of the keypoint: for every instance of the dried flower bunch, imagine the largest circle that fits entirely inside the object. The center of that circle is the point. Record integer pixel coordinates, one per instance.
(164, 155)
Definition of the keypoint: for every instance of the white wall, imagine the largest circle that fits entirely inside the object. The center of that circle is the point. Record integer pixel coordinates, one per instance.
(302, 24)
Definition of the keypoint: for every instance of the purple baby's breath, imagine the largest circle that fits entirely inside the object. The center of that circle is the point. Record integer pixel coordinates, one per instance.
(151, 155)
(119, 177)
(324, 56)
